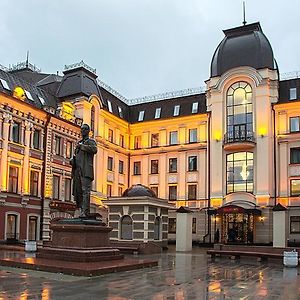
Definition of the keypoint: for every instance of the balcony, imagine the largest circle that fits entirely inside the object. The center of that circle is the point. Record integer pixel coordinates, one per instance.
(239, 140)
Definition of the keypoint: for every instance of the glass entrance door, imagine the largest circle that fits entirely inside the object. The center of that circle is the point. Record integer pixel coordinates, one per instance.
(11, 227)
(32, 229)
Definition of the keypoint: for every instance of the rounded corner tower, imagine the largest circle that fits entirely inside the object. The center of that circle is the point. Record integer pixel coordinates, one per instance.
(243, 46)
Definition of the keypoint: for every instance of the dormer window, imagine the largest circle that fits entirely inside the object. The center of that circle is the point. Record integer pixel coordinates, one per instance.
(195, 108)
(176, 110)
(120, 111)
(42, 100)
(4, 84)
(293, 93)
(109, 106)
(157, 113)
(28, 95)
(141, 115)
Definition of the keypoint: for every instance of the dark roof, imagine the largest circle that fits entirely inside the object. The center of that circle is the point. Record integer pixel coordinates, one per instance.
(279, 207)
(284, 90)
(29, 75)
(13, 81)
(167, 107)
(242, 46)
(138, 190)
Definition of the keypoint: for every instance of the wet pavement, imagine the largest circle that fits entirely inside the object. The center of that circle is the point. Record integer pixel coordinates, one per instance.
(179, 276)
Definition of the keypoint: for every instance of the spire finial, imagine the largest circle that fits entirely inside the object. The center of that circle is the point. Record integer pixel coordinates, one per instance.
(27, 59)
(244, 13)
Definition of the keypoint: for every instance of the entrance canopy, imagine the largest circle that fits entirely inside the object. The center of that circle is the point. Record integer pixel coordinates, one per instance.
(235, 207)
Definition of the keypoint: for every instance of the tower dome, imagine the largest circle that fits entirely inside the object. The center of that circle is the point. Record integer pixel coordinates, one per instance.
(139, 190)
(243, 46)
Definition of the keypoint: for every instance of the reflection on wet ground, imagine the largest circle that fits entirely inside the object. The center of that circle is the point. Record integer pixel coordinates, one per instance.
(178, 276)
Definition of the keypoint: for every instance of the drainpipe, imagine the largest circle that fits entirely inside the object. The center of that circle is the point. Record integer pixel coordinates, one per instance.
(43, 185)
(274, 155)
(208, 181)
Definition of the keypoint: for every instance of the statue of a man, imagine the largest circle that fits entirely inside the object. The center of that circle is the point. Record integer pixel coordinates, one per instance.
(83, 171)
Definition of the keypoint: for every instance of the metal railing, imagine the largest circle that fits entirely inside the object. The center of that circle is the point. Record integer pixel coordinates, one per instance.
(239, 136)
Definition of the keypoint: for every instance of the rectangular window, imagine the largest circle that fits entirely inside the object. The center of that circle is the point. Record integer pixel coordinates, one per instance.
(194, 225)
(293, 93)
(28, 95)
(13, 179)
(193, 135)
(42, 100)
(295, 155)
(111, 135)
(68, 189)
(56, 187)
(155, 190)
(121, 167)
(137, 168)
(141, 115)
(173, 138)
(36, 139)
(295, 187)
(121, 140)
(120, 191)
(295, 224)
(157, 113)
(154, 139)
(137, 142)
(16, 132)
(4, 84)
(109, 190)
(192, 163)
(109, 106)
(69, 149)
(172, 165)
(176, 110)
(57, 145)
(195, 108)
(110, 163)
(34, 183)
(154, 166)
(120, 111)
(172, 225)
(172, 192)
(192, 192)
(294, 124)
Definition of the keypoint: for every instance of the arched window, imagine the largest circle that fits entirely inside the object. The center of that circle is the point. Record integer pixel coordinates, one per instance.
(157, 228)
(240, 172)
(126, 228)
(93, 119)
(239, 113)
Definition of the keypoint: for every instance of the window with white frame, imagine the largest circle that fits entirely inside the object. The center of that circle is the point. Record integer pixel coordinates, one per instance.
(28, 95)
(4, 84)
(193, 135)
(109, 106)
(192, 163)
(173, 138)
(120, 112)
(293, 93)
(34, 183)
(173, 192)
(141, 115)
(294, 124)
(176, 110)
(154, 139)
(195, 108)
(157, 113)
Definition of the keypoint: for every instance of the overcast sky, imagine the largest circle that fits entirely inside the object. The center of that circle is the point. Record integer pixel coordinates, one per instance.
(140, 47)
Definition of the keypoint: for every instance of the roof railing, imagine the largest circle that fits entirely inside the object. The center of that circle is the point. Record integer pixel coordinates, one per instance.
(3, 68)
(112, 91)
(78, 65)
(24, 65)
(289, 75)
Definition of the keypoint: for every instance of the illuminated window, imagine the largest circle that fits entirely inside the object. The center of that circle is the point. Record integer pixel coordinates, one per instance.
(195, 108)
(192, 163)
(109, 106)
(154, 166)
(173, 138)
(176, 110)
(172, 225)
(141, 115)
(193, 135)
(157, 113)
(13, 179)
(16, 132)
(155, 190)
(137, 142)
(172, 192)
(172, 165)
(154, 139)
(121, 167)
(295, 224)
(69, 149)
(56, 187)
(28, 95)
(4, 84)
(239, 113)
(34, 183)
(110, 163)
(294, 124)
(121, 140)
(295, 187)
(137, 168)
(240, 172)
(36, 139)
(192, 192)
(293, 93)
(109, 190)
(111, 135)
(295, 155)
(68, 189)
(120, 112)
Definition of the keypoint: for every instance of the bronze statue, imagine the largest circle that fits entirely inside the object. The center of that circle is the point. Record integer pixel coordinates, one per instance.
(83, 171)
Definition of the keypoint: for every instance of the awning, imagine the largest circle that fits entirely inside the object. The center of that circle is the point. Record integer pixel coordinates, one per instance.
(235, 209)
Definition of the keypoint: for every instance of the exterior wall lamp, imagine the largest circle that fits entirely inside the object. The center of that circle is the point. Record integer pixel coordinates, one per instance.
(262, 131)
(261, 219)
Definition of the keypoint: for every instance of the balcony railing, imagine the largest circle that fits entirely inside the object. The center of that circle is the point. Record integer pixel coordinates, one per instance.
(238, 136)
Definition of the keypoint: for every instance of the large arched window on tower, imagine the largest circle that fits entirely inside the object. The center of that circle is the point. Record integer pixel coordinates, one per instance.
(239, 113)
(126, 228)
(240, 172)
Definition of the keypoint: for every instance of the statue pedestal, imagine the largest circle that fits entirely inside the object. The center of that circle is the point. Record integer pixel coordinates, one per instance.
(79, 242)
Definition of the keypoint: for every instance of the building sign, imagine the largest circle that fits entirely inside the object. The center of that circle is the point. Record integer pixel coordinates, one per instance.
(231, 209)
(62, 206)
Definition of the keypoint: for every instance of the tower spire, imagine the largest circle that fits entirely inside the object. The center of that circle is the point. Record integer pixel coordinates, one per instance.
(244, 14)
(27, 59)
